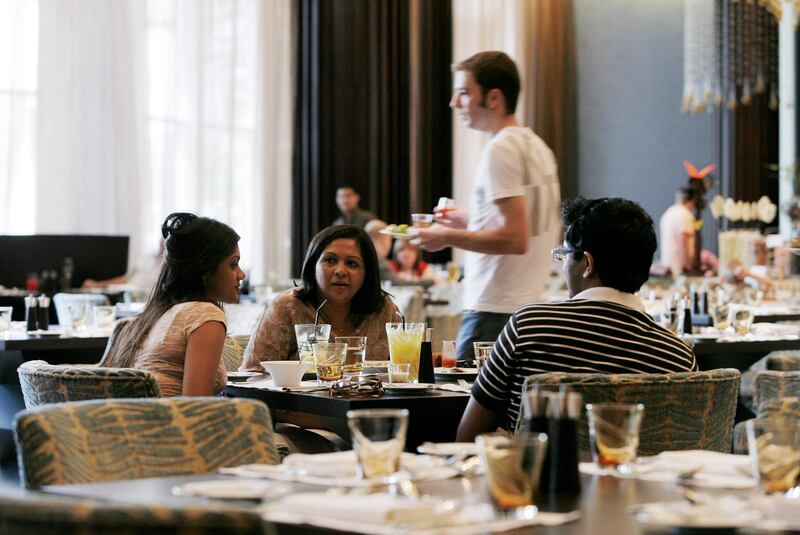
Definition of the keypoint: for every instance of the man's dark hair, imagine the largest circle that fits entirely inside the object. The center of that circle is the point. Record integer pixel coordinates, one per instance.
(618, 233)
(494, 70)
(347, 186)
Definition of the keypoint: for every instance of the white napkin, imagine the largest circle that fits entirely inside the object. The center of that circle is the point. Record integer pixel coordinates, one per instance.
(340, 469)
(381, 513)
(714, 469)
(454, 387)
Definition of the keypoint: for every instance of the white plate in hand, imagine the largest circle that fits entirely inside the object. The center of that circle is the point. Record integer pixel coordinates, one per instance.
(232, 489)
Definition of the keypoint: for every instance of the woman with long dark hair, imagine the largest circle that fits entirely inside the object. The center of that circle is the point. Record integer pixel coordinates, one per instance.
(179, 335)
(341, 267)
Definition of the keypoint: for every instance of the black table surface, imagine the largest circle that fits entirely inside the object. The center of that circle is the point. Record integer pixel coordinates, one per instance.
(50, 343)
(602, 503)
(433, 415)
(740, 354)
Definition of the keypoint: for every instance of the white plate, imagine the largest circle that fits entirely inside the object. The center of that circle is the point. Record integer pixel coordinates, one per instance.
(448, 448)
(399, 235)
(406, 388)
(40, 332)
(232, 489)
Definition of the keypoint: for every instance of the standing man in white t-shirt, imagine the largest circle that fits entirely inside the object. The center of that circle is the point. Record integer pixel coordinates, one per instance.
(676, 229)
(513, 220)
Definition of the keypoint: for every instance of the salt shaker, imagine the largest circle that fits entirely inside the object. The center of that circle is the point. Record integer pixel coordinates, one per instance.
(44, 312)
(31, 313)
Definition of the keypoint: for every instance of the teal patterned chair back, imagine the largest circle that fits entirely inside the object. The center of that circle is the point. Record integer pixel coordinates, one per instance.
(689, 410)
(44, 383)
(779, 361)
(785, 409)
(90, 441)
(35, 513)
(233, 350)
(770, 385)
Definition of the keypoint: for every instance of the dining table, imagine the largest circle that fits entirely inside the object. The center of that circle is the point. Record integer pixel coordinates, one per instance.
(604, 504)
(434, 415)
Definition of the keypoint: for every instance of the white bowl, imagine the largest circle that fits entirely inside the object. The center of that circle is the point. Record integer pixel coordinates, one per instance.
(286, 373)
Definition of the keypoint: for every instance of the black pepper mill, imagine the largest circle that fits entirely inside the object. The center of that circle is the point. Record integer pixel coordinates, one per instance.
(31, 313)
(426, 359)
(44, 312)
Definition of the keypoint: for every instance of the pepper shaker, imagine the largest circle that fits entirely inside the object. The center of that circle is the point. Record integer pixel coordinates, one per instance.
(44, 312)
(31, 313)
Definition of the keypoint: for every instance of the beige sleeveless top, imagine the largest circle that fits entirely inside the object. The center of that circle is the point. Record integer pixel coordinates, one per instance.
(164, 350)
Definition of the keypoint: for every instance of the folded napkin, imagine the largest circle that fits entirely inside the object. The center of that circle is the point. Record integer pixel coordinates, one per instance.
(454, 387)
(710, 469)
(382, 513)
(340, 469)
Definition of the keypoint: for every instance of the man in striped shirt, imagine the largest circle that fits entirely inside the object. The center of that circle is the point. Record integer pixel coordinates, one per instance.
(603, 328)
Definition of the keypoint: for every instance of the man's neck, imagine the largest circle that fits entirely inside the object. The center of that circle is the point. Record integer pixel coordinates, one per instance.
(501, 122)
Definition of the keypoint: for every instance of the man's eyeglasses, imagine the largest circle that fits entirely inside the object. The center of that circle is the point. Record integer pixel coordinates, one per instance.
(560, 253)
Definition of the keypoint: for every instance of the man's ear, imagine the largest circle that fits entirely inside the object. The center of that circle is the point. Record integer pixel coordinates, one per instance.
(589, 270)
(494, 98)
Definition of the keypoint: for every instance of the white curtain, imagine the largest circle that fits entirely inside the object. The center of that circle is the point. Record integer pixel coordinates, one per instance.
(219, 120)
(18, 109)
(144, 108)
(88, 129)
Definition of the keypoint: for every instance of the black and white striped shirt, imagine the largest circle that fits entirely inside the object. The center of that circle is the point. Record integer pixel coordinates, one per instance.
(576, 336)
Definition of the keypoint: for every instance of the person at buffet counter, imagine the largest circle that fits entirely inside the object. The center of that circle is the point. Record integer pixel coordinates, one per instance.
(178, 337)
(676, 232)
(347, 199)
(341, 267)
(603, 328)
(408, 264)
(513, 217)
(143, 276)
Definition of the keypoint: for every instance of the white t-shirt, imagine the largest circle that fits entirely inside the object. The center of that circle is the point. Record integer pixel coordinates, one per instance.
(515, 163)
(676, 221)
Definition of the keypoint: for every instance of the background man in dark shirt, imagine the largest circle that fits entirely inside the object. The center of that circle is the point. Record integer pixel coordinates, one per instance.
(347, 199)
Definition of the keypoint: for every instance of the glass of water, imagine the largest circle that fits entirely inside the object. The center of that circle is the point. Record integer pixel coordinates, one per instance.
(379, 437)
(356, 350)
(741, 318)
(77, 315)
(104, 316)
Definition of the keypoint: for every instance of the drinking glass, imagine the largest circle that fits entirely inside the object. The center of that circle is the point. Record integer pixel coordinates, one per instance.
(5, 318)
(614, 432)
(405, 342)
(422, 220)
(719, 316)
(77, 315)
(379, 437)
(449, 354)
(741, 318)
(329, 360)
(398, 373)
(513, 466)
(307, 334)
(356, 351)
(104, 316)
(482, 351)
(671, 319)
(775, 451)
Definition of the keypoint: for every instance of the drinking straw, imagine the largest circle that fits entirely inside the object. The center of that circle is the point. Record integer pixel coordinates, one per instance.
(313, 337)
(403, 318)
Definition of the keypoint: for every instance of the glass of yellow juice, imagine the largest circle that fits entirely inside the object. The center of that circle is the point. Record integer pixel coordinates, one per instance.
(405, 341)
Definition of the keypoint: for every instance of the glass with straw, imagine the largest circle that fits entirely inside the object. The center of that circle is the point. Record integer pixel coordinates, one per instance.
(405, 342)
(309, 333)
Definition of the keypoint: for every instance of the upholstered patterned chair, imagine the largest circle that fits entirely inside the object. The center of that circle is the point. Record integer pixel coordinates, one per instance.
(233, 350)
(769, 385)
(690, 410)
(779, 361)
(44, 383)
(35, 513)
(101, 440)
(787, 409)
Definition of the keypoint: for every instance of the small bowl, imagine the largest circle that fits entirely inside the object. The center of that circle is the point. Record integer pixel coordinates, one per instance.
(285, 373)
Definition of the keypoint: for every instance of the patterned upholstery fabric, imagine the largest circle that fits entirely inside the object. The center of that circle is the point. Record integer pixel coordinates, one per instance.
(779, 361)
(101, 440)
(690, 410)
(44, 383)
(771, 385)
(787, 409)
(35, 513)
(233, 350)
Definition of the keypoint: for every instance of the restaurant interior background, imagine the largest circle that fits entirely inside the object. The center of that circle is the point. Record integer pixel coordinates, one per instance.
(113, 114)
